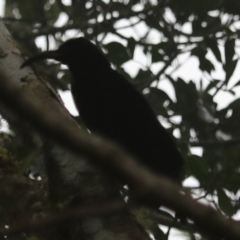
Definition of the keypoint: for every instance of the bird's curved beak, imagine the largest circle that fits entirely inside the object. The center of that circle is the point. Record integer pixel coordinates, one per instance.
(55, 55)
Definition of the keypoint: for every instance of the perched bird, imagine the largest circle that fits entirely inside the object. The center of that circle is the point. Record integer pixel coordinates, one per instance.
(110, 106)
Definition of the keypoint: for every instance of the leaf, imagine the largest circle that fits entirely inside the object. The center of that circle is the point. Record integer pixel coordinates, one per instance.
(206, 65)
(156, 97)
(159, 234)
(35, 11)
(229, 70)
(236, 84)
(143, 75)
(26, 162)
(197, 28)
(145, 49)
(187, 97)
(117, 53)
(160, 94)
(156, 56)
(170, 79)
(213, 45)
(199, 52)
(131, 45)
(152, 23)
(230, 91)
(229, 51)
(212, 84)
(143, 216)
(168, 48)
(198, 167)
(225, 202)
(66, 78)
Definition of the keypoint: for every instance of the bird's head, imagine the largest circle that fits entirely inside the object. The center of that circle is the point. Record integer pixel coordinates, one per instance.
(74, 51)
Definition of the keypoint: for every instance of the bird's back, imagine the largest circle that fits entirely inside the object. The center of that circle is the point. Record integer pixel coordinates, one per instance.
(113, 108)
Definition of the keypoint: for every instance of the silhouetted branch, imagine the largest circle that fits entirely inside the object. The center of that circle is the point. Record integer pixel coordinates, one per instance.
(211, 143)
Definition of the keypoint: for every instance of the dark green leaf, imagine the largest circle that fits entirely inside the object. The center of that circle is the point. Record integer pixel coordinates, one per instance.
(160, 94)
(156, 97)
(206, 65)
(213, 45)
(152, 22)
(143, 75)
(159, 234)
(212, 84)
(236, 84)
(156, 56)
(186, 94)
(229, 51)
(167, 47)
(197, 28)
(199, 52)
(117, 53)
(131, 45)
(170, 79)
(198, 167)
(225, 202)
(205, 25)
(229, 91)
(145, 49)
(232, 7)
(66, 78)
(230, 69)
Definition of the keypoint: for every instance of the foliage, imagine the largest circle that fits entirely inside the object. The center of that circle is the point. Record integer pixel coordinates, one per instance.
(164, 32)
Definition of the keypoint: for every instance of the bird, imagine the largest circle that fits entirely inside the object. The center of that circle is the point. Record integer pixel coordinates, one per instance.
(110, 106)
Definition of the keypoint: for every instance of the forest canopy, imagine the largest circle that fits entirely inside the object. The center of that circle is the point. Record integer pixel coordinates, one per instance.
(155, 45)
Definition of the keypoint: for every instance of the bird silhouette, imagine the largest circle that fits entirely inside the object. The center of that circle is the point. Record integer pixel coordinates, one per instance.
(110, 106)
